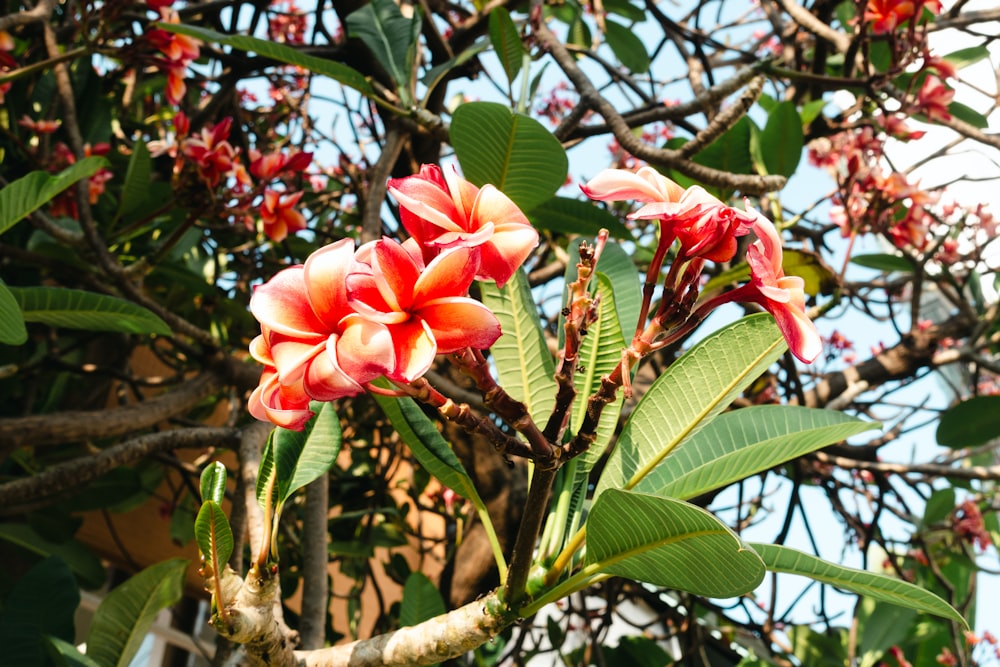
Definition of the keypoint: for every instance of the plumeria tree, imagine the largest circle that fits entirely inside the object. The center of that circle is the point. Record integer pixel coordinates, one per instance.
(565, 301)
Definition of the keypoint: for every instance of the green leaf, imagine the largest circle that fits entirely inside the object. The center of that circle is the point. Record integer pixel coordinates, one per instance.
(338, 72)
(968, 56)
(811, 110)
(969, 115)
(427, 444)
(524, 363)
(67, 655)
(12, 329)
(871, 584)
(506, 42)
(884, 262)
(513, 152)
(695, 388)
(45, 599)
(616, 263)
(26, 195)
(600, 351)
(213, 533)
(741, 443)
(303, 456)
(79, 309)
(421, 600)
(390, 36)
(625, 9)
(125, 615)
(970, 423)
(781, 140)
(667, 542)
(84, 564)
(213, 482)
(731, 151)
(135, 190)
(882, 626)
(432, 78)
(627, 47)
(574, 216)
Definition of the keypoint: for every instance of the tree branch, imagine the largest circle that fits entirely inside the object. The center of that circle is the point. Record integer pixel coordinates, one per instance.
(78, 472)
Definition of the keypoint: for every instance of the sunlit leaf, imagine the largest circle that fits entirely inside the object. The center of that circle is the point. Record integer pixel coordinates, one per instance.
(506, 42)
(883, 262)
(213, 533)
(781, 140)
(79, 309)
(125, 615)
(389, 35)
(878, 586)
(741, 443)
(513, 152)
(667, 542)
(29, 193)
(696, 387)
(574, 216)
(213, 482)
(968, 56)
(627, 47)
(966, 113)
(524, 363)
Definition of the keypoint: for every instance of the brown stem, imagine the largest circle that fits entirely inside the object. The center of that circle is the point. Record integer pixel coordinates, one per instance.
(535, 508)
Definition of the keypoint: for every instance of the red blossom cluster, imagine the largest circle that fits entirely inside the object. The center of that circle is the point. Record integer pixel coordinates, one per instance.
(252, 194)
(347, 317)
(706, 230)
(968, 525)
(887, 15)
(286, 23)
(178, 52)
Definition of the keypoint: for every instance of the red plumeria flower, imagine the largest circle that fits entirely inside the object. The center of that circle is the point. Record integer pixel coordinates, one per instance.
(211, 152)
(933, 99)
(446, 211)
(782, 296)
(178, 48)
(279, 215)
(312, 343)
(425, 309)
(269, 166)
(705, 226)
(885, 15)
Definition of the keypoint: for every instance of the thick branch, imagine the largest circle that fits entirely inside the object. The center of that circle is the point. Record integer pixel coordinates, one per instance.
(79, 425)
(441, 638)
(981, 473)
(73, 474)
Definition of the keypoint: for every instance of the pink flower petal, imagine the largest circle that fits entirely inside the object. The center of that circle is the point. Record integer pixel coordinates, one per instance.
(460, 322)
(282, 305)
(415, 349)
(449, 274)
(325, 276)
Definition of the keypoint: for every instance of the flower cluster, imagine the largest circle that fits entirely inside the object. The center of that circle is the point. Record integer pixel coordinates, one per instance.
(707, 229)
(178, 52)
(887, 15)
(331, 326)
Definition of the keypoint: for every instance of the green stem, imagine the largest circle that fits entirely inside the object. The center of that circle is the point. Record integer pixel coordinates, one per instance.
(585, 578)
(491, 535)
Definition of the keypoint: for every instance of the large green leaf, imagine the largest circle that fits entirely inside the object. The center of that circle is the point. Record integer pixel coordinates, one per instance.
(125, 615)
(574, 216)
(779, 145)
(79, 309)
(337, 71)
(84, 564)
(12, 329)
(970, 423)
(305, 456)
(741, 443)
(506, 42)
(390, 36)
(26, 195)
(135, 190)
(616, 263)
(878, 586)
(513, 152)
(42, 602)
(696, 387)
(600, 351)
(421, 600)
(68, 655)
(885, 262)
(213, 534)
(667, 542)
(627, 47)
(428, 445)
(524, 363)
